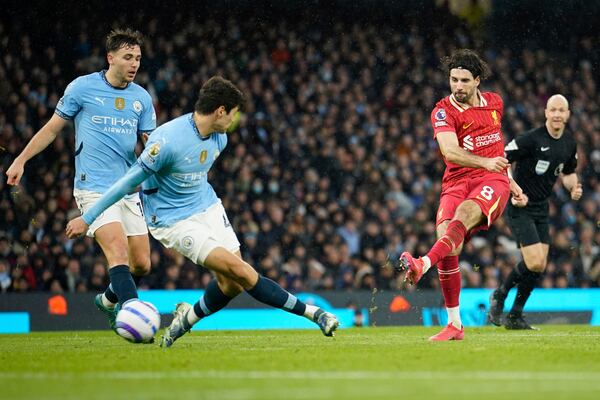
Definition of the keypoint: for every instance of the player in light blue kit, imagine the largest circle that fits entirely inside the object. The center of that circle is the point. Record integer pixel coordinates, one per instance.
(184, 213)
(109, 112)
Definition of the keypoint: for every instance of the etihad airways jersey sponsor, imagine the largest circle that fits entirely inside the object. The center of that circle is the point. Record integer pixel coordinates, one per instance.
(107, 121)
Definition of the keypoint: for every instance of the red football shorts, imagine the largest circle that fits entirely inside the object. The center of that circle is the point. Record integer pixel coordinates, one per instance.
(490, 191)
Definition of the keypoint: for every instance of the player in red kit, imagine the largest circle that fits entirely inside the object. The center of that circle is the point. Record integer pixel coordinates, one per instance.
(475, 186)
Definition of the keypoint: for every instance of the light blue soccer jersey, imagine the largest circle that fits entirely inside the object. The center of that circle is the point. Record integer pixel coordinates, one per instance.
(107, 122)
(179, 159)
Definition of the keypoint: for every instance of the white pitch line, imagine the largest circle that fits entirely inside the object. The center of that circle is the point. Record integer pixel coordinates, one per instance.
(313, 375)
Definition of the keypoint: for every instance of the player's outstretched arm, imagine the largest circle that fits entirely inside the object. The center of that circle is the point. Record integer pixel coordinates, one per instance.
(452, 152)
(123, 186)
(571, 183)
(38, 142)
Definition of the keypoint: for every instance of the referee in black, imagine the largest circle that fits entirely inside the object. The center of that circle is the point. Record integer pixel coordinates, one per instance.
(542, 155)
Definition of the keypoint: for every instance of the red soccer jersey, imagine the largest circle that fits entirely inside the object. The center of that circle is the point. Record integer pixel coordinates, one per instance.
(478, 130)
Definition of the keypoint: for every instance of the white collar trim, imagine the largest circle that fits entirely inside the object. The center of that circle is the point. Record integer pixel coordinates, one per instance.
(461, 108)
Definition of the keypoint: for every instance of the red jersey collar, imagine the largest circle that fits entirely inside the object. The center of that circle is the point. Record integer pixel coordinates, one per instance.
(461, 108)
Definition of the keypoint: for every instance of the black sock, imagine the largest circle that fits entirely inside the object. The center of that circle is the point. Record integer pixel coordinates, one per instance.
(268, 292)
(122, 283)
(110, 295)
(524, 289)
(213, 300)
(513, 278)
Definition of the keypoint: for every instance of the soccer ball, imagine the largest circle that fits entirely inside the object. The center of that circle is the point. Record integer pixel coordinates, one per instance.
(235, 122)
(138, 321)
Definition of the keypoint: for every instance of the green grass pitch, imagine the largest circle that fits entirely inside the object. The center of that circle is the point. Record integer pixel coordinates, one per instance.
(558, 362)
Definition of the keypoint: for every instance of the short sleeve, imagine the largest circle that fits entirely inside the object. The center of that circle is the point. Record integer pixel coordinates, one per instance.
(70, 103)
(148, 115)
(156, 155)
(441, 121)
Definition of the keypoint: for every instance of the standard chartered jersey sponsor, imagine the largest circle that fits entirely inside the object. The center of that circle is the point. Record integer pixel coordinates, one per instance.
(486, 140)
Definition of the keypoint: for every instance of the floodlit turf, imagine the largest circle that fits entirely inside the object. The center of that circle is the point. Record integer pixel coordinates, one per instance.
(558, 362)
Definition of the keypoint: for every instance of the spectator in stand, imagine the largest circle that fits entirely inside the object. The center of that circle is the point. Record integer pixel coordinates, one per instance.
(344, 105)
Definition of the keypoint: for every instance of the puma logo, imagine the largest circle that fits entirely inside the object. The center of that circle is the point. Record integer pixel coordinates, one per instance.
(100, 100)
(466, 126)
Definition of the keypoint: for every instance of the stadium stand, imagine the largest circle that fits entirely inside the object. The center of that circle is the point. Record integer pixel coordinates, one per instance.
(334, 167)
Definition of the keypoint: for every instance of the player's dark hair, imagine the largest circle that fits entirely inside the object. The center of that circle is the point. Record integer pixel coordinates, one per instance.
(217, 92)
(118, 38)
(469, 60)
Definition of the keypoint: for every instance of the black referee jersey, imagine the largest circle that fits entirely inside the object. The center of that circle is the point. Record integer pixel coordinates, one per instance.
(540, 160)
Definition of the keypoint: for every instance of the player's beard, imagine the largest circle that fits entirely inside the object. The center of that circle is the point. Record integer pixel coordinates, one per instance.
(463, 97)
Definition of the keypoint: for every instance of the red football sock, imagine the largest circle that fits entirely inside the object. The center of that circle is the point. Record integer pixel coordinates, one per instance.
(455, 234)
(450, 281)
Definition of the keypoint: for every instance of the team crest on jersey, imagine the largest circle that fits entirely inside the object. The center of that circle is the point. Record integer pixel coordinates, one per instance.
(495, 118)
(440, 115)
(137, 106)
(203, 155)
(119, 103)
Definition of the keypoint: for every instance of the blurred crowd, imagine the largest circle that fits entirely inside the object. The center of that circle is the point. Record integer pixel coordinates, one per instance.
(333, 171)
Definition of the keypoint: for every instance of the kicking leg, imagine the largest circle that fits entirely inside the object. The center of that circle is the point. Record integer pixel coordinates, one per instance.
(233, 276)
(451, 235)
(265, 290)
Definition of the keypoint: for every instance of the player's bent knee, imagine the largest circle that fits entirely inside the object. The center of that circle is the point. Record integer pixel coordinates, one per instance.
(140, 269)
(242, 273)
(142, 264)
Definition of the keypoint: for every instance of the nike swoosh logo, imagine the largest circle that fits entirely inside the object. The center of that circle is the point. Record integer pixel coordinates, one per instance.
(466, 126)
(544, 148)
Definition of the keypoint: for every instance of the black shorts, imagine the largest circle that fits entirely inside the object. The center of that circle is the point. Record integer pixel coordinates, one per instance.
(529, 224)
